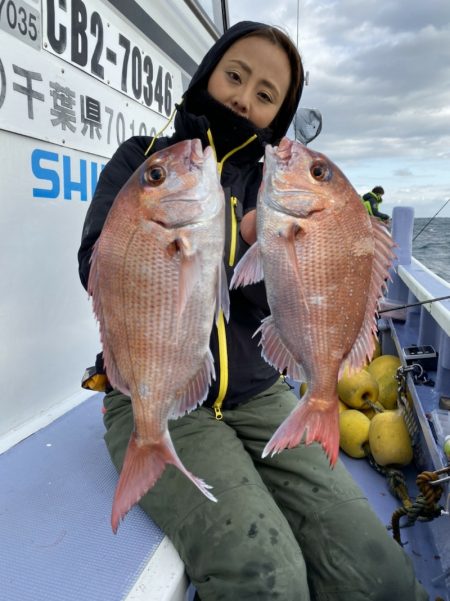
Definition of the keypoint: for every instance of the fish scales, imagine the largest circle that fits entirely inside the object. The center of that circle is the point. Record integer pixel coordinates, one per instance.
(157, 281)
(324, 263)
(149, 323)
(144, 310)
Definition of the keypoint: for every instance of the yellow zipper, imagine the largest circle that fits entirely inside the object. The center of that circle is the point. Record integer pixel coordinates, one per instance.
(221, 331)
(223, 360)
(233, 242)
(156, 136)
(227, 156)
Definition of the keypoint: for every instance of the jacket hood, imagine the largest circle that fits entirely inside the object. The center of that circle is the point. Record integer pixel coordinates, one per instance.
(200, 78)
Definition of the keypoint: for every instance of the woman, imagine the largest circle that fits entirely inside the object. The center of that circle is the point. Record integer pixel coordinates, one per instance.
(287, 527)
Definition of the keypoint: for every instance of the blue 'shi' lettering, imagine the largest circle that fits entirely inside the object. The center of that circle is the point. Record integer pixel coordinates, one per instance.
(46, 174)
(54, 180)
(69, 184)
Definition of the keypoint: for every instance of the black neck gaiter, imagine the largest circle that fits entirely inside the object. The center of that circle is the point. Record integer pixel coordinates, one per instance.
(228, 129)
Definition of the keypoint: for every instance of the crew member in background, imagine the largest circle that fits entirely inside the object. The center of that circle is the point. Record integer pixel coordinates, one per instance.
(372, 201)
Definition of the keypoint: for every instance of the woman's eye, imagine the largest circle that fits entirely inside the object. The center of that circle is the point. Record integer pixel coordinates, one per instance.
(320, 171)
(234, 76)
(265, 97)
(155, 175)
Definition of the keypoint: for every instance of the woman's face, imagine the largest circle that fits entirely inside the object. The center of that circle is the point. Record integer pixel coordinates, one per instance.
(252, 78)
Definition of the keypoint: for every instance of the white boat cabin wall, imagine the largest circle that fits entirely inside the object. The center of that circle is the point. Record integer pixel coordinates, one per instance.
(76, 79)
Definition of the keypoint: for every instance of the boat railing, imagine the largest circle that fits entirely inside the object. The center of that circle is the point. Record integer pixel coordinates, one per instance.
(422, 332)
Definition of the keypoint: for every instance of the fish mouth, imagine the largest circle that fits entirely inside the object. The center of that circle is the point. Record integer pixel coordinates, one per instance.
(197, 154)
(295, 202)
(285, 153)
(190, 154)
(195, 159)
(187, 194)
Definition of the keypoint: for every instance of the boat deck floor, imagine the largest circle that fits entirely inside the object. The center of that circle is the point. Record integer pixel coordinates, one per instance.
(55, 506)
(55, 502)
(417, 540)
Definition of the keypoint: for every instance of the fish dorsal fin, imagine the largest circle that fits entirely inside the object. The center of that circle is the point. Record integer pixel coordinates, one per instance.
(114, 377)
(249, 269)
(364, 345)
(197, 389)
(275, 352)
(223, 296)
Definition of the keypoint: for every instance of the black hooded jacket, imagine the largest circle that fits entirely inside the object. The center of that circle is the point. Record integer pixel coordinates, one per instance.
(240, 370)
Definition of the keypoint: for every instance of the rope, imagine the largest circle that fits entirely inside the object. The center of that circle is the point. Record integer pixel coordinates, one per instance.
(430, 493)
(424, 507)
(373, 406)
(419, 510)
(396, 481)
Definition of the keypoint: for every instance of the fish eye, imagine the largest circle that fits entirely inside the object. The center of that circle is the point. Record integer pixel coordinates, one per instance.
(320, 171)
(155, 175)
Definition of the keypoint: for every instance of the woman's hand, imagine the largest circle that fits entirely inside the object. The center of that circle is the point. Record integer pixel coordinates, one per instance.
(248, 227)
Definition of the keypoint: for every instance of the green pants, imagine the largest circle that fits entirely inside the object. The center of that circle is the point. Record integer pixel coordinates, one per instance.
(287, 528)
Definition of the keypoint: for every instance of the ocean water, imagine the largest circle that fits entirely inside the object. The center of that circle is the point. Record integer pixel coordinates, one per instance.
(432, 245)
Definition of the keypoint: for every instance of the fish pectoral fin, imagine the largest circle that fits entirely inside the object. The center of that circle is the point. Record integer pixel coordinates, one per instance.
(249, 269)
(289, 234)
(190, 271)
(197, 389)
(142, 467)
(223, 296)
(275, 352)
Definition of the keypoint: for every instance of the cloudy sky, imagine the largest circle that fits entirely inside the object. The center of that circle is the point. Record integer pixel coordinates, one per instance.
(379, 72)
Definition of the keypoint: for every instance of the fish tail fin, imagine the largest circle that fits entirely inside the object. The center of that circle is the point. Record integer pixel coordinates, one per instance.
(308, 423)
(142, 467)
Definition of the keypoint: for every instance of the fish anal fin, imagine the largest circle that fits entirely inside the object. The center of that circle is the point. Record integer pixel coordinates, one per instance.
(307, 424)
(364, 345)
(276, 353)
(197, 389)
(249, 269)
(112, 371)
(142, 467)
